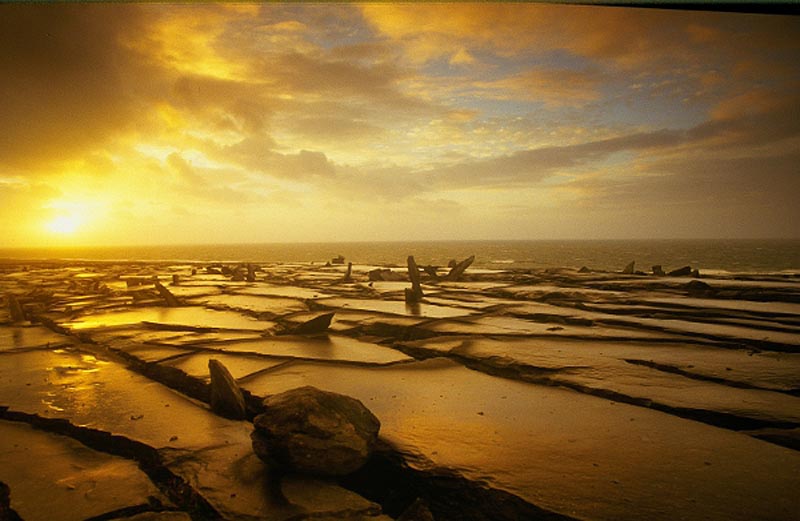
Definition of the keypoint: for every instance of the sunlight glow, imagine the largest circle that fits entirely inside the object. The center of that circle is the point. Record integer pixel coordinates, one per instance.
(64, 224)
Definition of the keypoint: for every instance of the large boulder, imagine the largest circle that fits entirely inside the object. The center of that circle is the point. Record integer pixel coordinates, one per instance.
(315, 432)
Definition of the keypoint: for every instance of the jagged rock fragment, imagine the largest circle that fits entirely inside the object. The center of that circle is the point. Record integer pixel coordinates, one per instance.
(460, 268)
(226, 397)
(629, 268)
(314, 326)
(167, 295)
(311, 431)
(658, 271)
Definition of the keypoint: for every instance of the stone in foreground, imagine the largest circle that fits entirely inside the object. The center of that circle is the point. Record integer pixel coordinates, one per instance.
(316, 432)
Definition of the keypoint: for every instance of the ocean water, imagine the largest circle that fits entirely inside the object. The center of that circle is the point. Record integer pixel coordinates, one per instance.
(736, 256)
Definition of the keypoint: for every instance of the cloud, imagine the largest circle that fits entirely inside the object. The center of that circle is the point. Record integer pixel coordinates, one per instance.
(625, 36)
(555, 87)
(64, 78)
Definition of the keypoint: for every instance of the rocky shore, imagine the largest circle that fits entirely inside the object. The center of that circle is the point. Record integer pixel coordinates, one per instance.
(489, 395)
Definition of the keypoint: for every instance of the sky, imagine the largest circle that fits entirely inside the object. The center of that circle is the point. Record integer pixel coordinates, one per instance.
(235, 123)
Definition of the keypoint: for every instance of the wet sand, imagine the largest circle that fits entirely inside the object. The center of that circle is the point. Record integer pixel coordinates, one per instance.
(550, 394)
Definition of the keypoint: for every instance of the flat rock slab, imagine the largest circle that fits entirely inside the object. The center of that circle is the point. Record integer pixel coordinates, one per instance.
(144, 335)
(106, 396)
(190, 317)
(567, 452)
(53, 477)
(765, 308)
(20, 337)
(324, 347)
(148, 353)
(767, 370)
(295, 292)
(504, 325)
(212, 454)
(196, 364)
(396, 307)
(257, 304)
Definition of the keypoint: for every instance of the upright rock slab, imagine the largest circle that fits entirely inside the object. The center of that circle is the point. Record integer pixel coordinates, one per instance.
(315, 432)
(414, 294)
(226, 397)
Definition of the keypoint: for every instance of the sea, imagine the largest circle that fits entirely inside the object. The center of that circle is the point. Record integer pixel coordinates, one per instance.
(710, 256)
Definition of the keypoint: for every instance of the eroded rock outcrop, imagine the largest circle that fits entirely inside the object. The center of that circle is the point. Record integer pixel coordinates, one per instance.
(316, 432)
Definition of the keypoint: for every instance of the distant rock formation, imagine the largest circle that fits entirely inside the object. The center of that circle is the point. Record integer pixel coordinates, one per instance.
(681, 272)
(658, 271)
(315, 432)
(628, 270)
(460, 268)
(339, 259)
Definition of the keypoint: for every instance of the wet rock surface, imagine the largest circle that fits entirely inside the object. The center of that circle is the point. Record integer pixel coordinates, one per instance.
(553, 394)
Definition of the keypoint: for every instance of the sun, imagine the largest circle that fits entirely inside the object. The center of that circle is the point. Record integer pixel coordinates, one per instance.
(64, 224)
